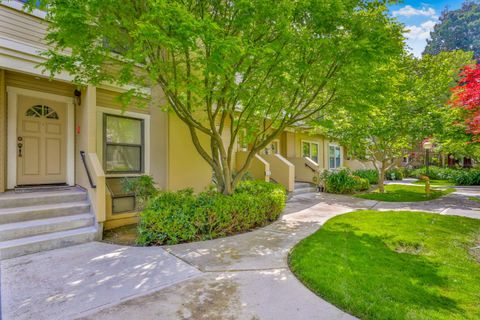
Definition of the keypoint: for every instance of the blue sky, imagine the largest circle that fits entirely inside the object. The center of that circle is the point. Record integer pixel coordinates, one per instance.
(419, 18)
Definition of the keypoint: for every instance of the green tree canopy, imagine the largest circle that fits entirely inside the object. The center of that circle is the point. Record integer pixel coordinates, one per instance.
(226, 66)
(457, 30)
(407, 105)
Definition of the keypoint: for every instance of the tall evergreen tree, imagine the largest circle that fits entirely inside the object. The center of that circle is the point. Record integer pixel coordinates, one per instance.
(458, 29)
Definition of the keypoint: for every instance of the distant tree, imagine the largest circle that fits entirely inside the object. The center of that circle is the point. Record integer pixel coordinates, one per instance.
(405, 105)
(457, 30)
(466, 96)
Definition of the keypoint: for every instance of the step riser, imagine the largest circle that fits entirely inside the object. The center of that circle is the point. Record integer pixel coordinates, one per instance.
(43, 229)
(41, 200)
(302, 185)
(17, 251)
(43, 213)
(304, 191)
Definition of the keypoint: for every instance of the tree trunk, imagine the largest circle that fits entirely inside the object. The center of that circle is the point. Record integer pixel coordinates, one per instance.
(381, 178)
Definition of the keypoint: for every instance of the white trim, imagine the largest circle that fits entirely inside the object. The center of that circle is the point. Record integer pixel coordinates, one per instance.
(13, 93)
(70, 143)
(11, 140)
(138, 115)
(335, 145)
(310, 156)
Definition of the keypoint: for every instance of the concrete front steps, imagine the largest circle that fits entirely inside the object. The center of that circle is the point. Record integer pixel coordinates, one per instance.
(38, 221)
(303, 188)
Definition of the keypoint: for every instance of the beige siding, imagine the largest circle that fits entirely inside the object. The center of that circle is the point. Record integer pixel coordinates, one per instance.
(20, 80)
(22, 27)
(111, 99)
(3, 132)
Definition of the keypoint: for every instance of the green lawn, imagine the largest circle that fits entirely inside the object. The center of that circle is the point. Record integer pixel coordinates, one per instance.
(476, 199)
(394, 265)
(436, 183)
(404, 193)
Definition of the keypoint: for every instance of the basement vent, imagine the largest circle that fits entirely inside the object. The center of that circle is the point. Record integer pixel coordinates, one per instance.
(122, 201)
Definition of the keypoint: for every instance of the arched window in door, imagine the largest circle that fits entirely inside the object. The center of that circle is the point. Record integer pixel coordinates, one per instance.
(42, 111)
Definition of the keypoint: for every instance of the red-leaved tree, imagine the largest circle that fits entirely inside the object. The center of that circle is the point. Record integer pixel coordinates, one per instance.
(467, 97)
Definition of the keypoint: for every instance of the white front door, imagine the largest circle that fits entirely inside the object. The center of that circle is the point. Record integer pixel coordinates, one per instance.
(41, 141)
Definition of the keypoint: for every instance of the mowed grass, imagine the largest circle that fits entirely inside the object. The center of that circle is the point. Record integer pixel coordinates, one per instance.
(394, 265)
(436, 183)
(404, 193)
(476, 199)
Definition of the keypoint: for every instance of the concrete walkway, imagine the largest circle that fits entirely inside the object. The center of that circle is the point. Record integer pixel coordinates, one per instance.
(240, 277)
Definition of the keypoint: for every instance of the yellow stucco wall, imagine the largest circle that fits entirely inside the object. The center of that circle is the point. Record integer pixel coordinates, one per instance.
(186, 168)
(323, 147)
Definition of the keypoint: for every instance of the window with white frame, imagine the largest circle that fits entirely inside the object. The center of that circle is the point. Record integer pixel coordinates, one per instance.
(311, 150)
(272, 148)
(124, 144)
(334, 156)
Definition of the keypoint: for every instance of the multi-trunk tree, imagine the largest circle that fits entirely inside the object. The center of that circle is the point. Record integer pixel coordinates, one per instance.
(225, 66)
(406, 105)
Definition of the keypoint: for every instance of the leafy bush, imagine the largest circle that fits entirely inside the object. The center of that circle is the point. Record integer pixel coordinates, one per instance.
(174, 217)
(362, 184)
(394, 174)
(460, 177)
(343, 182)
(370, 174)
(434, 173)
(465, 177)
(142, 187)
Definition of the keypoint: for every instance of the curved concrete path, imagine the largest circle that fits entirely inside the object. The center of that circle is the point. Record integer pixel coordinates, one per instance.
(239, 277)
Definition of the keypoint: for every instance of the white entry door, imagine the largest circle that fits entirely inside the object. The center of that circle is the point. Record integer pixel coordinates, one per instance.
(41, 141)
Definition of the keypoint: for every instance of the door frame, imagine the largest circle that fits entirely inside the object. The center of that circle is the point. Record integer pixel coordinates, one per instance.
(12, 95)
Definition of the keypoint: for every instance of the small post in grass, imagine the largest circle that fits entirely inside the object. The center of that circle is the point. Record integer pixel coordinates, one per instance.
(427, 184)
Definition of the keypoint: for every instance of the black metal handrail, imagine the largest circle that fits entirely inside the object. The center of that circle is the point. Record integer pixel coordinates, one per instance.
(82, 155)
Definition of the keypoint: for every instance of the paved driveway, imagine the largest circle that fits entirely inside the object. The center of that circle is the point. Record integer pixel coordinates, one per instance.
(240, 277)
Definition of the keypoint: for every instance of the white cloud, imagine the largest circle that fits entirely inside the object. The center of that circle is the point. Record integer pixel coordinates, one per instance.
(421, 32)
(409, 11)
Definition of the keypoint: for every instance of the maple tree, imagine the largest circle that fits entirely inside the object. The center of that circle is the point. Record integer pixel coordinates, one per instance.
(466, 96)
(404, 105)
(224, 66)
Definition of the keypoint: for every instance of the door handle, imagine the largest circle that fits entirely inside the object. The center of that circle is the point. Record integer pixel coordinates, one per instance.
(20, 146)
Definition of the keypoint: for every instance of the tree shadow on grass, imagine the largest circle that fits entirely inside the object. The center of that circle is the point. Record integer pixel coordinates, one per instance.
(364, 276)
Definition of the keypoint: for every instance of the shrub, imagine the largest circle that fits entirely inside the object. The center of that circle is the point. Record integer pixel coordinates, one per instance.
(143, 187)
(343, 182)
(174, 217)
(370, 174)
(362, 184)
(394, 174)
(465, 177)
(434, 173)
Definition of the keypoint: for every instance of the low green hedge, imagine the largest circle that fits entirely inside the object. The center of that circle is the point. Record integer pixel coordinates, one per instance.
(175, 217)
(343, 182)
(370, 174)
(459, 177)
(394, 174)
(434, 173)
